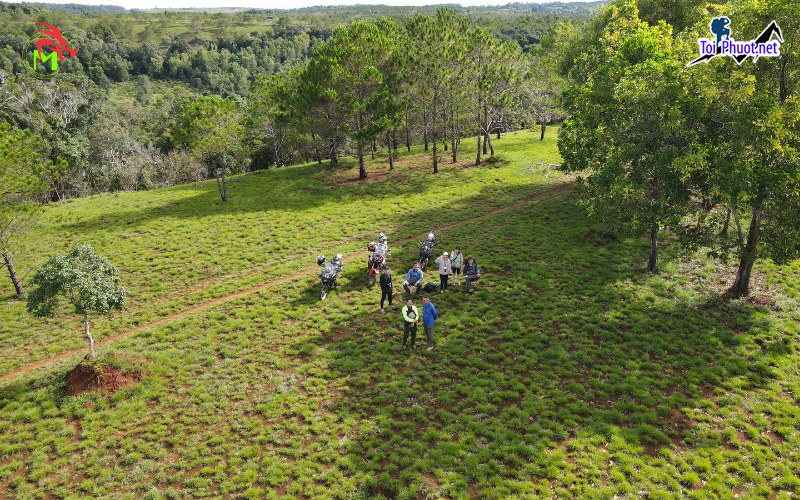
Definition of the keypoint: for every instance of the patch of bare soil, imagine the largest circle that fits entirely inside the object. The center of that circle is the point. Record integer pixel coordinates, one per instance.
(98, 375)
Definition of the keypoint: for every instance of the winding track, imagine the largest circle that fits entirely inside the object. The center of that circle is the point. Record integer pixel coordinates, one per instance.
(45, 362)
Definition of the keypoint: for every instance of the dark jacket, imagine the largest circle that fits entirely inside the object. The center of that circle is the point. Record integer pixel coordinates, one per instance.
(471, 270)
(386, 282)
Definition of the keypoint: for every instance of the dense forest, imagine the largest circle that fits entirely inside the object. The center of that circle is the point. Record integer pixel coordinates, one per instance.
(111, 114)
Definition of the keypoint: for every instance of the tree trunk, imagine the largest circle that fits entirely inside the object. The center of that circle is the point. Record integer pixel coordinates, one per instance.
(491, 148)
(394, 139)
(223, 189)
(12, 273)
(224, 186)
(454, 146)
(89, 338)
(544, 126)
(362, 171)
(478, 157)
(651, 264)
(374, 147)
(724, 231)
(435, 140)
(742, 285)
(485, 137)
(498, 132)
(425, 128)
(408, 134)
(334, 159)
(389, 148)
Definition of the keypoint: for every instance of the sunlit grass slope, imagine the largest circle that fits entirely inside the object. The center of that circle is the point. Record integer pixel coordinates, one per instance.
(183, 246)
(571, 373)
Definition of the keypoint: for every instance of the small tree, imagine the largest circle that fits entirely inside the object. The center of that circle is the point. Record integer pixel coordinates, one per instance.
(211, 128)
(88, 281)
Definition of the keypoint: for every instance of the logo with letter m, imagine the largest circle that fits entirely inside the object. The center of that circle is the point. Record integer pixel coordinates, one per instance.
(53, 40)
(52, 58)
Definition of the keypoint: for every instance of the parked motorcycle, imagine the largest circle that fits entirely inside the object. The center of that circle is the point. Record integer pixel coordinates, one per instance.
(330, 273)
(426, 249)
(374, 264)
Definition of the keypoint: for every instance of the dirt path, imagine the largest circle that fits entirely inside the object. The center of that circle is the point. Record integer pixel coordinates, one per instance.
(44, 362)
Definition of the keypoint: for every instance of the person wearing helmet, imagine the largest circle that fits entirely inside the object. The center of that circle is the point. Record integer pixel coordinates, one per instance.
(383, 245)
(337, 261)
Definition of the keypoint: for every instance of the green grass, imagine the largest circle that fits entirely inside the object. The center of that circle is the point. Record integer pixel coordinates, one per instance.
(571, 373)
(183, 246)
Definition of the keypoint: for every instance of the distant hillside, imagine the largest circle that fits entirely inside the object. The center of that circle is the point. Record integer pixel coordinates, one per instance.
(78, 9)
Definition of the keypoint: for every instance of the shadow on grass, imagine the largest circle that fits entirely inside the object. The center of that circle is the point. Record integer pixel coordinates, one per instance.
(300, 189)
(565, 341)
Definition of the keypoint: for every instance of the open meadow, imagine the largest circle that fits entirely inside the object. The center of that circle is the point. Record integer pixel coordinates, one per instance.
(570, 373)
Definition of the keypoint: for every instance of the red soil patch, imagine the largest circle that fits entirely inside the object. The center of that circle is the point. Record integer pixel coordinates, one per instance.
(91, 376)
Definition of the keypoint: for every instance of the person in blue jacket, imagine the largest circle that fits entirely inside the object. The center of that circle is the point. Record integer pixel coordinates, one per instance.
(413, 278)
(429, 316)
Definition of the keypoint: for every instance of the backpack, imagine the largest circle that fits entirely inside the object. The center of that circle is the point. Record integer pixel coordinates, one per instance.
(430, 287)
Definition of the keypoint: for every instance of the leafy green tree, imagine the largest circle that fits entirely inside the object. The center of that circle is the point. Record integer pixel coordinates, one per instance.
(87, 281)
(436, 51)
(24, 177)
(352, 73)
(143, 89)
(494, 72)
(211, 128)
(626, 127)
(748, 126)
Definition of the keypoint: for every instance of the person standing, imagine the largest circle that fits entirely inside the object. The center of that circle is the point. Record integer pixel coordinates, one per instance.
(471, 274)
(445, 270)
(413, 278)
(410, 317)
(386, 286)
(456, 262)
(429, 316)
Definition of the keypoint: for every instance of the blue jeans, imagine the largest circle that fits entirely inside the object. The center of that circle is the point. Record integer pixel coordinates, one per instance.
(470, 280)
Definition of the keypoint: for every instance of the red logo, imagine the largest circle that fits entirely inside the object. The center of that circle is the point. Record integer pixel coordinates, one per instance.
(55, 42)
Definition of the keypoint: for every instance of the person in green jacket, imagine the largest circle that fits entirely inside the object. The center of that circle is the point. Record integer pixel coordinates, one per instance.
(410, 317)
(456, 263)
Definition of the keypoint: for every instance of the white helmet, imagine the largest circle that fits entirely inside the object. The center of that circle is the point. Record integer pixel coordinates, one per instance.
(382, 237)
(338, 256)
(431, 237)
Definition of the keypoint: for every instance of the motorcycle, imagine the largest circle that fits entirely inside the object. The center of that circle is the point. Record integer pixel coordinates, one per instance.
(374, 263)
(329, 274)
(426, 249)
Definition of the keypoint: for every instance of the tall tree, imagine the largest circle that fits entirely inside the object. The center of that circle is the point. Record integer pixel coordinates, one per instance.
(627, 108)
(748, 123)
(352, 74)
(437, 47)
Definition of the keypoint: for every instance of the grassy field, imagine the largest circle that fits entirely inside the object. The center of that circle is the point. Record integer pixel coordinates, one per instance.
(571, 373)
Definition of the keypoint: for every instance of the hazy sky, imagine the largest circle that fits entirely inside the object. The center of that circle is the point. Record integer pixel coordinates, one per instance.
(270, 4)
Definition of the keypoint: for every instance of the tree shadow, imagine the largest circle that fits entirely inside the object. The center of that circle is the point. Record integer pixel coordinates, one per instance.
(565, 338)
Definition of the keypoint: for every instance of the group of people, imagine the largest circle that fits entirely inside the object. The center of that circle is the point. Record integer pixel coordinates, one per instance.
(448, 266)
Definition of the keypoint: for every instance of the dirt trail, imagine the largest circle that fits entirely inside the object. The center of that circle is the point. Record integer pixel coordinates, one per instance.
(44, 362)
